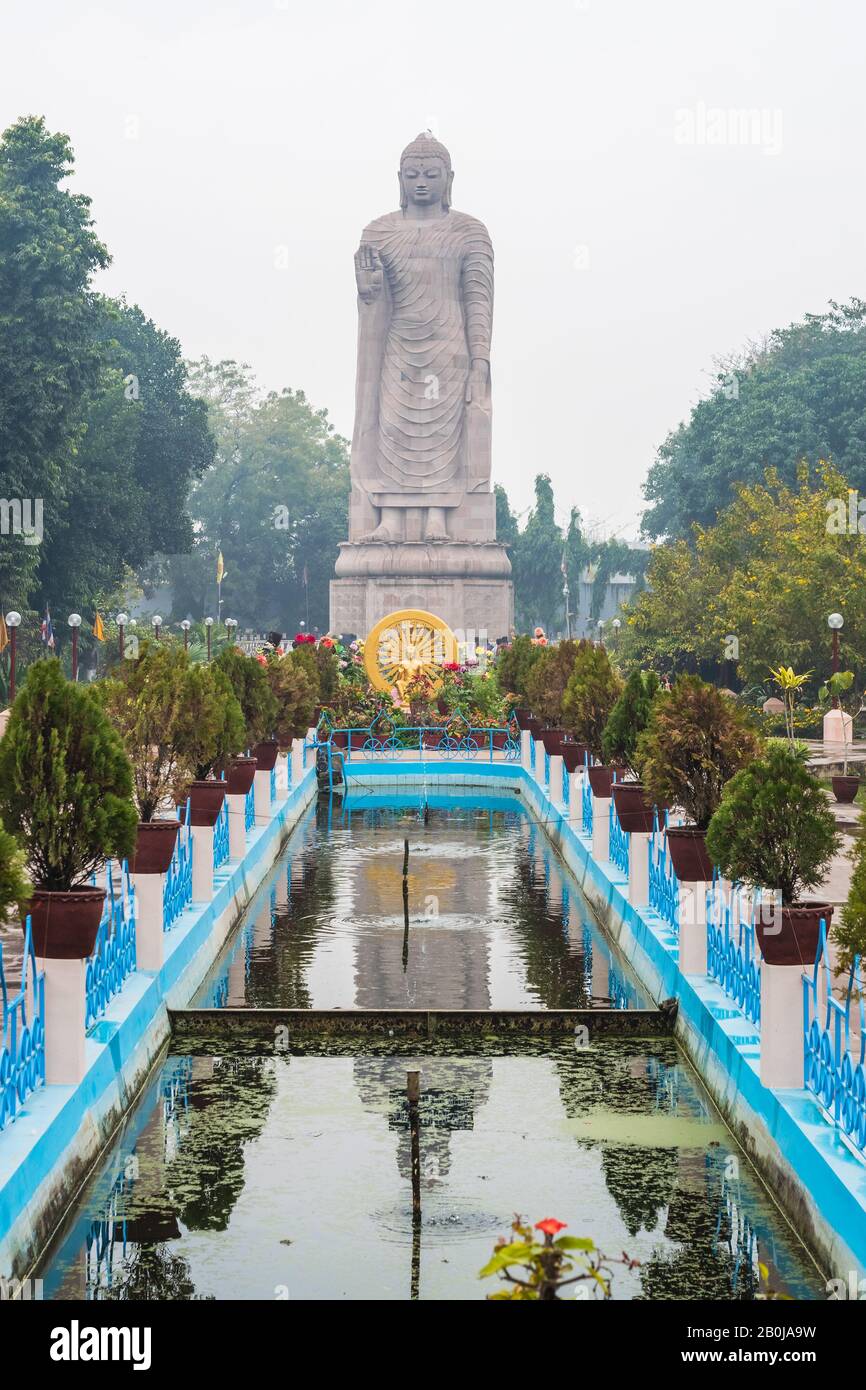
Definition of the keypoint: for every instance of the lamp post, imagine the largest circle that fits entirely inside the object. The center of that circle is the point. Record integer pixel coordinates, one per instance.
(565, 593)
(835, 622)
(616, 625)
(231, 624)
(600, 626)
(74, 621)
(13, 622)
(186, 627)
(156, 624)
(122, 620)
(208, 622)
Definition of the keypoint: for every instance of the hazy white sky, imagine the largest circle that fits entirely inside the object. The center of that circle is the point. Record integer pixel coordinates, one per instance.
(234, 151)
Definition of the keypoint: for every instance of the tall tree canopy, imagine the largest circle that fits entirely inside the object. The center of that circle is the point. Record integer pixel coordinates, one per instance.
(274, 503)
(800, 397)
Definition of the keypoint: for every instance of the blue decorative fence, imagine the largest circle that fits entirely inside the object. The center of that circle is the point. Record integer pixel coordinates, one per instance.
(833, 1072)
(250, 809)
(273, 784)
(457, 738)
(177, 889)
(587, 807)
(22, 1053)
(618, 841)
(732, 958)
(566, 786)
(664, 888)
(114, 957)
(221, 837)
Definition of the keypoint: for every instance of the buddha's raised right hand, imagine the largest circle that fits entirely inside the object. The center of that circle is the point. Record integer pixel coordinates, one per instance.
(369, 272)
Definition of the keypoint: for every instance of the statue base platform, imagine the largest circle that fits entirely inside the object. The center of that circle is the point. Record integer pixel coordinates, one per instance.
(467, 585)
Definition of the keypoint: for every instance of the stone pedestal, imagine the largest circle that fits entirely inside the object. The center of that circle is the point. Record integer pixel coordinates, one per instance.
(525, 745)
(237, 804)
(782, 1025)
(693, 928)
(202, 863)
(282, 777)
(575, 798)
(149, 928)
(539, 763)
(262, 794)
(297, 764)
(465, 582)
(638, 868)
(601, 829)
(555, 789)
(65, 1014)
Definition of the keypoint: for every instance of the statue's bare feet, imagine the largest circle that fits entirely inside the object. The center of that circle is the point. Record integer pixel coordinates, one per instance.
(381, 533)
(435, 528)
(436, 533)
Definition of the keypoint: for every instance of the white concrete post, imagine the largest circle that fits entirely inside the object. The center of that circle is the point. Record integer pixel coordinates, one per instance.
(638, 868)
(262, 794)
(202, 863)
(600, 828)
(556, 779)
(297, 760)
(149, 930)
(65, 1014)
(525, 737)
(539, 762)
(282, 777)
(693, 928)
(236, 802)
(575, 797)
(782, 1063)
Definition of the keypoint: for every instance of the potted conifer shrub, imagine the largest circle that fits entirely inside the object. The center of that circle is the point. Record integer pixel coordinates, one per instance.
(66, 795)
(695, 741)
(846, 785)
(626, 723)
(213, 735)
(144, 701)
(592, 691)
(252, 690)
(774, 830)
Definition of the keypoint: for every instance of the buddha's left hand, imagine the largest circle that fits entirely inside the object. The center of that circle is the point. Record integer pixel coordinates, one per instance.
(478, 384)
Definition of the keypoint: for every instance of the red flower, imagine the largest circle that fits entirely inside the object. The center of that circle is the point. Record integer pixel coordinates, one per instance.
(550, 1226)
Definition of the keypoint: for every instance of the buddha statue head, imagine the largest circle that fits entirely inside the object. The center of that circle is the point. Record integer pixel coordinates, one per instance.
(425, 173)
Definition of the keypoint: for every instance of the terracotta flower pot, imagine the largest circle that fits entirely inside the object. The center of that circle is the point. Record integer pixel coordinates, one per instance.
(340, 738)
(534, 727)
(206, 801)
(634, 813)
(601, 779)
(574, 755)
(523, 717)
(65, 925)
(794, 939)
(432, 738)
(845, 788)
(154, 846)
(552, 740)
(266, 753)
(241, 775)
(500, 738)
(688, 851)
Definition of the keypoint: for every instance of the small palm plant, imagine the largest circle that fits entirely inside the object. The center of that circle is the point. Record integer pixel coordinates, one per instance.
(789, 683)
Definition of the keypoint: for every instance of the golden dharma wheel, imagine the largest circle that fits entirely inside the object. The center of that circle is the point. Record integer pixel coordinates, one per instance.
(405, 645)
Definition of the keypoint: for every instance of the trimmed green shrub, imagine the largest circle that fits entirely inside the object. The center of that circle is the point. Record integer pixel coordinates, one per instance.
(774, 827)
(214, 729)
(628, 719)
(695, 741)
(293, 691)
(548, 678)
(65, 780)
(592, 691)
(145, 701)
(514, 664)
(250, 685)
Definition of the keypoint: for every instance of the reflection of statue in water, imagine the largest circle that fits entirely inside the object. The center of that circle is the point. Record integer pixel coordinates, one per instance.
(425, 286)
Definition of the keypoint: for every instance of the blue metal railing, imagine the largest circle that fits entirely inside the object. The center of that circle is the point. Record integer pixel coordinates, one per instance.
(177, 889)
(546, 768)
(566, 785)
(732, 959)
(250, 809)
(664, 887)
(454, 739)
(22, 1050)
(618, 841)
(221, 836)
(831, 1072)
(113, 959)
(273, 785)
(587, 807)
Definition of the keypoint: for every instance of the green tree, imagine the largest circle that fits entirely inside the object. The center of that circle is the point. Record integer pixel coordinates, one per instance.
(548, 677)
(293, 690)
(14, 885)
(214, 728)
(799, 397)
(145, 702)
(49, 356)
(514, 665)
(249, 682)
(629, 718)
(275, 503)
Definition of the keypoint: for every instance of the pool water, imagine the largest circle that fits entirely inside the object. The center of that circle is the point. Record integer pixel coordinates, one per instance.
(288, 1176)
(491, 919)
(253, 1171)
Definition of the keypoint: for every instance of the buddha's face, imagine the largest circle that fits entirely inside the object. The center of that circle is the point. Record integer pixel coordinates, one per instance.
(425, 181)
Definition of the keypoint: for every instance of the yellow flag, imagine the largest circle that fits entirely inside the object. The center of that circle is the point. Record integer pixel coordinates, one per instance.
(4, 635)
(98, 629)
(220, 568)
